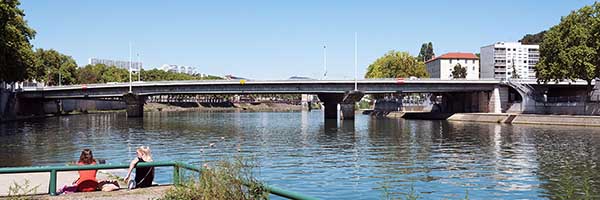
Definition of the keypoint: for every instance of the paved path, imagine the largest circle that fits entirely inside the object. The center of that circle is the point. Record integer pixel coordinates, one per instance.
(42, 180)
(141, 193)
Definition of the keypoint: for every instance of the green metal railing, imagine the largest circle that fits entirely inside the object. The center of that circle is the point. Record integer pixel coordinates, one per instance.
(176, 174)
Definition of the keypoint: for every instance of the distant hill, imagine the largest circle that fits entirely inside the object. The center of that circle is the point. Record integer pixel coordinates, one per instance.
(300, 78)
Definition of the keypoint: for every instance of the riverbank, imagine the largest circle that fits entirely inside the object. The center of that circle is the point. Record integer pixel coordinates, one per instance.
(236, 107)
(508, 118)
(567, 120)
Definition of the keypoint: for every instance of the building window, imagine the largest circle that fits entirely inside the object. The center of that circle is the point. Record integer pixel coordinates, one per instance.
(508, 49)
(514, 49)
(450, 61)
(524, 61)
(473, 68)
(473, 61)
(508, 61)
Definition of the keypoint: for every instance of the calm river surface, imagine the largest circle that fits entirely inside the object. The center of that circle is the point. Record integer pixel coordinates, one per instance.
(362, 159)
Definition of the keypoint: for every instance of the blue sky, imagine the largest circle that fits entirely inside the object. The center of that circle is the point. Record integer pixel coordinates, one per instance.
(279, 39)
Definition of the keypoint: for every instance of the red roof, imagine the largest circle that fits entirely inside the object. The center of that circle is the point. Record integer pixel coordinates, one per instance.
(455, 55)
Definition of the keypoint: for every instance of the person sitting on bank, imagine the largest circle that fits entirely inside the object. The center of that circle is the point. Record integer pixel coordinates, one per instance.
(143, 175)
(87, 178)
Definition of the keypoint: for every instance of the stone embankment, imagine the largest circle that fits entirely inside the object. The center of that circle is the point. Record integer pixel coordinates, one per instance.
(509, 118)
(572, 120)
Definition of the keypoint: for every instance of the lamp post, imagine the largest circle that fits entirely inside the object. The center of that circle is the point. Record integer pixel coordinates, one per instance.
(355, 61)
(130, 84)
(325, 61)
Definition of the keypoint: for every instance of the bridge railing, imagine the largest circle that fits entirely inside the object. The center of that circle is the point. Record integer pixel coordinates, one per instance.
(177, 166)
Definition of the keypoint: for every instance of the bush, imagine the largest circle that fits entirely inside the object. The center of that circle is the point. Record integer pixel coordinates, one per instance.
(228, 179)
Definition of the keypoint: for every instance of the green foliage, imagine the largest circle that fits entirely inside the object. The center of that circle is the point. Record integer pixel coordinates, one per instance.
(533, 38)
(21, 192)
(51, 67)
(426, 52)
(160, 75)
(100, 73)
(459, 72)
(570, 50)
(396, 64)
(16, 55)
(514, 72)
(228, 179)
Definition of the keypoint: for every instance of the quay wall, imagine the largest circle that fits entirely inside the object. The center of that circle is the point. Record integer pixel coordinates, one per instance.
(479, 117)
(570, 120)
(83, 105)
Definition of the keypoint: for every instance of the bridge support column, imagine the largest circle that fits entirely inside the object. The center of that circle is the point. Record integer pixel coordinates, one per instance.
(347, 106)
(135, 104)
(347, 111)
(59, 107)
(330, 102)
(499, 100)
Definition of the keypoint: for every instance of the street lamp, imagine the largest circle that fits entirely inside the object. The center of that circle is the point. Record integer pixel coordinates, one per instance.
(130, 84)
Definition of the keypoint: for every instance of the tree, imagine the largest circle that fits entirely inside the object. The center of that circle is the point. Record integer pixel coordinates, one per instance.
(16, 55)
(89, 74)
(426, 52)
(533, 38)
(459, 71)
(396, 64)
(53, 67)
(570, 50)
(514, 75)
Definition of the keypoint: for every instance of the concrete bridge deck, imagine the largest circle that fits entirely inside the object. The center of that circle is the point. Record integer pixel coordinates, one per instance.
(369, 86)
(461, 95)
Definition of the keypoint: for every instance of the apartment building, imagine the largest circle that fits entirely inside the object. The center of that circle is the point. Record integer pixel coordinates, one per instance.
(135, 66)
(504, 60)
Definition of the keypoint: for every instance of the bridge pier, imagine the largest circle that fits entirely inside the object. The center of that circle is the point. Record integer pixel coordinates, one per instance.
(330, 102)
(347, 111)
(346, 102)
(135, 104)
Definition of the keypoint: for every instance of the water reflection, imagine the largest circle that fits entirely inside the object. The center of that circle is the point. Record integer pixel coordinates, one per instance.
(332, 159)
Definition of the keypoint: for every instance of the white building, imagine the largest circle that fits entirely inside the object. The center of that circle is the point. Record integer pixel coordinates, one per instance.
(135, 66)
(442, 66)
(502, 59)
(178, 69)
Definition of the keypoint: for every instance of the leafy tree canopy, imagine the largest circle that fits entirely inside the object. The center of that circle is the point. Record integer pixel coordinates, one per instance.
(570, 50)
(396, 64)
(51, 67)
(426, 52)
(16, 55)
(459, 72)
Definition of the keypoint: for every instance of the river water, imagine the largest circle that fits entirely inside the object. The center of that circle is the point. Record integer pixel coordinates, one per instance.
(363, 159)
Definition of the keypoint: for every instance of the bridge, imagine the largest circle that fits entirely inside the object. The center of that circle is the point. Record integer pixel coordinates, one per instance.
(483, 95)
